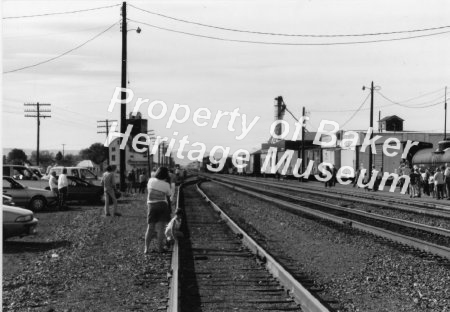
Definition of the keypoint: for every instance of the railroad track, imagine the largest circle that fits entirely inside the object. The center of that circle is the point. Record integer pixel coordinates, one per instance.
(387, 201)
(213, 271)
(424, 238)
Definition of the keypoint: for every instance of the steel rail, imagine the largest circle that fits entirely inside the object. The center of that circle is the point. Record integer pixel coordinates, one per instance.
(300, 294)
(389, 197)
(174, 295)
(439, 212)
(410, 224)
(441, 251)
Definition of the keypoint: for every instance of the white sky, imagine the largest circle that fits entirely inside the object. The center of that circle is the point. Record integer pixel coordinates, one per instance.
(219, 75)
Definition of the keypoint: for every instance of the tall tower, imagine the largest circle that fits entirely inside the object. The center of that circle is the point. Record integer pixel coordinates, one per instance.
(280, 109)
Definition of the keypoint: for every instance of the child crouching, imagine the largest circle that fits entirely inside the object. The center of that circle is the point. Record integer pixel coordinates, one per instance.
(172, 231)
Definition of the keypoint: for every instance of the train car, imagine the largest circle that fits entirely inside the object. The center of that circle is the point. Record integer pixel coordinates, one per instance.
(432, 158)
(254, 164)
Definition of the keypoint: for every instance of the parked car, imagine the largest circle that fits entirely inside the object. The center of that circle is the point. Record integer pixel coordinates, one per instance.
(33, 198)
(7, 200)
(18, 222)
(78, 172)
(18, 172)
(80, 189)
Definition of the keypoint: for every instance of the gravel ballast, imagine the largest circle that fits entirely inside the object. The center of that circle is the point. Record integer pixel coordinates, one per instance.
(353, 203)
(82, 261)
(357, 272)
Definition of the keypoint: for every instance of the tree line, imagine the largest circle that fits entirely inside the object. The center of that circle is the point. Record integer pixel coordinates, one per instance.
(97, 153)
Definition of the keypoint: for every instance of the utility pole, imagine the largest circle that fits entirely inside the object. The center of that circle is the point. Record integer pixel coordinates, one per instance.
(149, 162)
(63, 149)
(445, 122)
(303, 140)
(161, 154)
(371, 132)
(379, 121)
(123, 108)
(105, 124)
(37, 113)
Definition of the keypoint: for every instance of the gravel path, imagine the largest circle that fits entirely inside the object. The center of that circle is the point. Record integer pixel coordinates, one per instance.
(82, 261)
(356, 271)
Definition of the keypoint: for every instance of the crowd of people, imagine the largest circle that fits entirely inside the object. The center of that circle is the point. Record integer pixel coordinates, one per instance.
(433, 182)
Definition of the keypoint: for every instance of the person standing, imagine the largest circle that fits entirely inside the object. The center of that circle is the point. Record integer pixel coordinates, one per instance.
(447, 180)
(401, 181)
(53, 183)
(142, 182)
(333, 175)
(425, 184)
(358, 172)
(158, 210)
(407, 171)
(431, 186)
(131, 179)
(439, 183)
(328, 182)
(413, 183)
(63, 185)
(108, 182)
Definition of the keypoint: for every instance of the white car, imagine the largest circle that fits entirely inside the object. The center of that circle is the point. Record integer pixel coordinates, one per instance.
(78, 172)
(18, 222)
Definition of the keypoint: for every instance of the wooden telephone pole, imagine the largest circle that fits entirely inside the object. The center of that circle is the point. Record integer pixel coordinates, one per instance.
(105, 124)
(38, 113)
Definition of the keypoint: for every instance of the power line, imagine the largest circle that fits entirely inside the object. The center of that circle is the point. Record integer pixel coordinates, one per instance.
(433, 101)
(354, 114)
(422, 95)
(59, 13)
(289, 35)
(21, 37)
(62, 54)
(408, 106)
(347, 110)
(288, 43)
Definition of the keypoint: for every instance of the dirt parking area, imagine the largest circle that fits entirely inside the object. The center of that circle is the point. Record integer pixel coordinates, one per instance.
(83, 261)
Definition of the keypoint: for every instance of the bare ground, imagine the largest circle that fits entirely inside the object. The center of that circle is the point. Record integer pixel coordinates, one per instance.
(83, 261)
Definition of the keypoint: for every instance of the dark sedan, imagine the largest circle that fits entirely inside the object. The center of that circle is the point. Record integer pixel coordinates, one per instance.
(33, 198)
(80, 189)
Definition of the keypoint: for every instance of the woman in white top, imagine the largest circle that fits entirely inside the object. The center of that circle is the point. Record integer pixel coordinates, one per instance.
(158, 213)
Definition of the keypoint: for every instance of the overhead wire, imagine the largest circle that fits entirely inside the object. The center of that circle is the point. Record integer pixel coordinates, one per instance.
(417, 105)
(60, 13)
(408, 106)
(345, 110)
(420, 96)
(21, 37)
(288, 35)
(287, 43)
(354, 114)
(62, 54)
